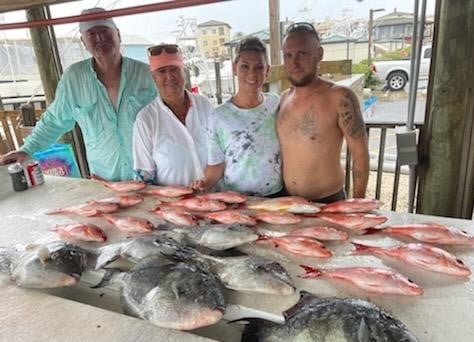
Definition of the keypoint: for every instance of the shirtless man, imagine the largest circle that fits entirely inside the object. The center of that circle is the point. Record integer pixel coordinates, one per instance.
(315, 116)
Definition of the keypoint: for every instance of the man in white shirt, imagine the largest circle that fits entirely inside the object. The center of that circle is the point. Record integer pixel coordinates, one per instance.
(169, 135)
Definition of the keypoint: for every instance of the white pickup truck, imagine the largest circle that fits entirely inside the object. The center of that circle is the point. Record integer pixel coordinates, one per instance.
(397, 72)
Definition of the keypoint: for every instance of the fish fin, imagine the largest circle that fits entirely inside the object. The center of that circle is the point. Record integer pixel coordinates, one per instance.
(6, 254)
(363, 331)
(253, 326)
(305, 296)
(43, 254)
(310, 272)
(107, 254)
(110, 275)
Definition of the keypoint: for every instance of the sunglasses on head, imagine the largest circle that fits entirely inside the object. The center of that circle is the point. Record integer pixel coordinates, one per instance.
(158, 49)
(301, 27)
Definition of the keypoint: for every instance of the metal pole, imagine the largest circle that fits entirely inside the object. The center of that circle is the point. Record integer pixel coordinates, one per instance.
(414, 71)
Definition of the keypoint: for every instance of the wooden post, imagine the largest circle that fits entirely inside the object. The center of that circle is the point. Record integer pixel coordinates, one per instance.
(446, 143)
(28, 114)
(44, 53)
(217, 68)
(275, 35)
(49, 68)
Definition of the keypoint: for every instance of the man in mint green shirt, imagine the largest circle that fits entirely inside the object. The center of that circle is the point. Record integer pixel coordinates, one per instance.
(102, 95)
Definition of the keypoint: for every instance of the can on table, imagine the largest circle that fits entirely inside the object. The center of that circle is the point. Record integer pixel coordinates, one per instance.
(18, 177)
(35, 175)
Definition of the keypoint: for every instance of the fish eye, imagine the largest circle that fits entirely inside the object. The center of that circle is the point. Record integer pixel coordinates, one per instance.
(459, 261)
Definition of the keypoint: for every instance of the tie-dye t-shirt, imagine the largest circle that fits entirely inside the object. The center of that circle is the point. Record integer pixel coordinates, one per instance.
(246, 140)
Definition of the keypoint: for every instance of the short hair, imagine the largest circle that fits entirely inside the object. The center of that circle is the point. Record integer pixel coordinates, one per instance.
(250, 44)
(302, 27)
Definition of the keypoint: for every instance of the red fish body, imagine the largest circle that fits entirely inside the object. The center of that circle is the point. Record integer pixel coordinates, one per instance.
(199, 204)
(231, 216)
(123, 186)
(298, 245)
(229, 197)
(176, 215)
(320, 233)
(420, 255)
(292, 204)
(168, 191)
(354, 221)
(352, 205)
(129, 224)
(91, 208)
(277, 217)
(430, 233)
(369, 279)
(124, 201)
(80, 232)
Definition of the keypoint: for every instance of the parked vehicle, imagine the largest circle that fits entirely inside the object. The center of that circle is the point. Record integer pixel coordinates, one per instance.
(396, 73)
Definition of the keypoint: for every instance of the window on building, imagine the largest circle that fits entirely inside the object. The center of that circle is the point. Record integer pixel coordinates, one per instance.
(214, 42)
(398, 31)
(203, 31)
(221, 31)
(384, 32)
(204, 43)
(221, 41)
(214, 31)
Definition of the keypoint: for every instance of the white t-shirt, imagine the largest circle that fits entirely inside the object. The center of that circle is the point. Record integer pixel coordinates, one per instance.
(176, 153)
(246, 140)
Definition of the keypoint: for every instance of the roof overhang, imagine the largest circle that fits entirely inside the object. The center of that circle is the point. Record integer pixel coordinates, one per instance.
(9, 5)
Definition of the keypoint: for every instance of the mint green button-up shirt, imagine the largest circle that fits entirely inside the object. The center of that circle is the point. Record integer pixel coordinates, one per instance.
(107, 131)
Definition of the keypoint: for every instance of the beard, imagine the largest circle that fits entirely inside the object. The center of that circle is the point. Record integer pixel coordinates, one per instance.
(302, 82)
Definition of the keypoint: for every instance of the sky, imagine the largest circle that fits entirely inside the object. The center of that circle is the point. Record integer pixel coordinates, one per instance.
(244, 16)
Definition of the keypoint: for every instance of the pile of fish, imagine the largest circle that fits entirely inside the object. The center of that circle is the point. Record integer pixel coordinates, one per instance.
(181, 267)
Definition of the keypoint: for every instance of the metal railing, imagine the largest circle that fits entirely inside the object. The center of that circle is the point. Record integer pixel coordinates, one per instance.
(381, 166)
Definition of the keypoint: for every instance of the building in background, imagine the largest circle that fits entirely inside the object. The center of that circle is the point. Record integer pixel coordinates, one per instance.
(211, 38)
(398, 26)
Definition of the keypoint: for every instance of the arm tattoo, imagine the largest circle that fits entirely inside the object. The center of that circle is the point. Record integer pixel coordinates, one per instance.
(351, 116)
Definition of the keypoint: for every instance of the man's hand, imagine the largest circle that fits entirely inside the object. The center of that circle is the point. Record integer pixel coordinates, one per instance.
(13, 157)
(198, 185)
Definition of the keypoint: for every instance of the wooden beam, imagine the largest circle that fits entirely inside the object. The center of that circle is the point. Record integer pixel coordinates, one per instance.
(446, 143)
(344, 67)
(9, 5)
(275, 40)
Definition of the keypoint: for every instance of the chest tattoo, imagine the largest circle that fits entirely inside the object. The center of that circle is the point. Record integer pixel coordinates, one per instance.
(307, 124)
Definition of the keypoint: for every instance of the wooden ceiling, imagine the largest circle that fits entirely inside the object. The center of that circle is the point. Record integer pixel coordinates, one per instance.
(14, 5)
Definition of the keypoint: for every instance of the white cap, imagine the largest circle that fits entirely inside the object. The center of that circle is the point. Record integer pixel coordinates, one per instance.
(86, 25)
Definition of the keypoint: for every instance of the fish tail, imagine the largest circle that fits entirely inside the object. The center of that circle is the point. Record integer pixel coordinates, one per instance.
(359, 248)
(371, 231)
(310, 272)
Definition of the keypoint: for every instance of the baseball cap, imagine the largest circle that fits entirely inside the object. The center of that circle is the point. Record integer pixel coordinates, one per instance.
(86, 25)
(165, 55)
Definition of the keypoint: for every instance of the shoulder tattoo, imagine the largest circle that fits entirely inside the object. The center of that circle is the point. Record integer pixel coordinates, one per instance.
(349, 112)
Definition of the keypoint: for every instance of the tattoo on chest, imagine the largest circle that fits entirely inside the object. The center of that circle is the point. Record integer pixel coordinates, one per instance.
(307, 124)
(351, 116)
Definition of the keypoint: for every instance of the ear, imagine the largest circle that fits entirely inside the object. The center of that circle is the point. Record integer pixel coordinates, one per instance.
(321, 53)
(268, 71)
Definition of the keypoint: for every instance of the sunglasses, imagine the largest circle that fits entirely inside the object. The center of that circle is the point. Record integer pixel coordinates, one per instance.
(301, 27)
(158, 49)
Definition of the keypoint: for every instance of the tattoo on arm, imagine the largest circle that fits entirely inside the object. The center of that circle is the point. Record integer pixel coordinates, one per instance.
(349, 112)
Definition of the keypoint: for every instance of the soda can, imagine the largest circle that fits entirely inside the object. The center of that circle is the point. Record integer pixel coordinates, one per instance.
(35, 175)
(18, 177)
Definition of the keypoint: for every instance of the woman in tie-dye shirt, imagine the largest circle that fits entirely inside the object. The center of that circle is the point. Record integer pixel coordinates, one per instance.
(243, 148)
